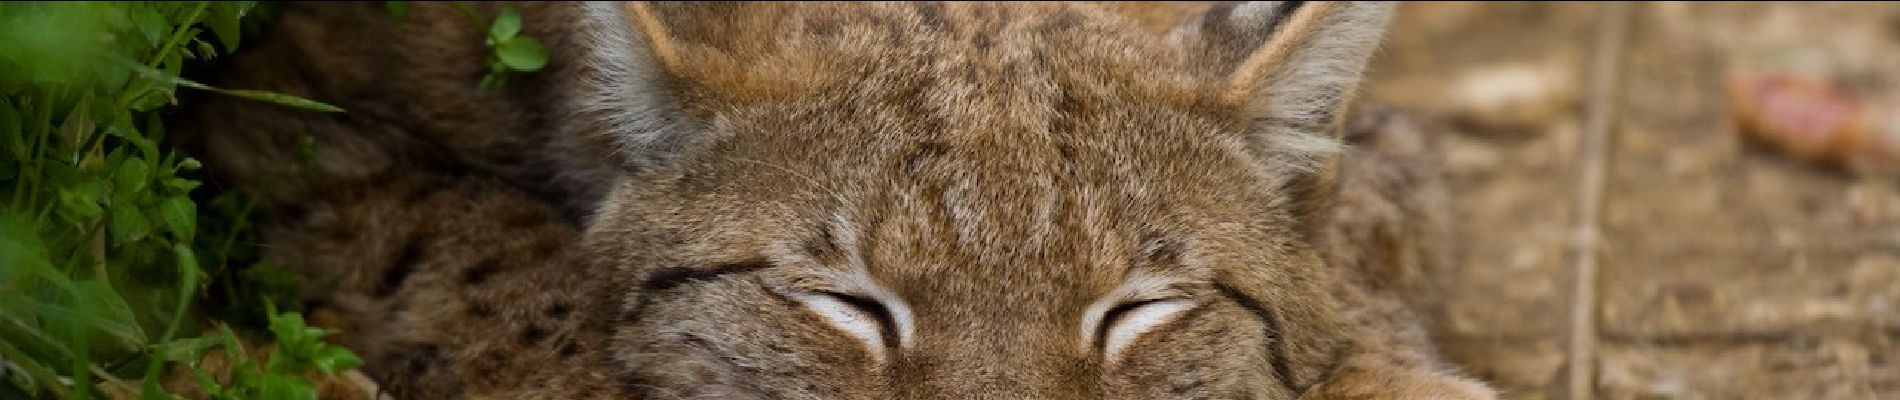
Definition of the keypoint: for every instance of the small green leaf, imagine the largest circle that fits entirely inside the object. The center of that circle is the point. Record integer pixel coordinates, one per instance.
(331, 359)
(288, 328)
(400, 9)
(131, 177)
(93, 187)
(506, 26)
(128, 223)
(281, 98)
(224, 24)
(77, 204)
(153, 98)
(522, 54)
(152, 26)
(181, 185)
(286, 387)
(180, 215)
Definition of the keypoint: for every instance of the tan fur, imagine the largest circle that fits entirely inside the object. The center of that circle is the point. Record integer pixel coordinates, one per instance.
(990, 175)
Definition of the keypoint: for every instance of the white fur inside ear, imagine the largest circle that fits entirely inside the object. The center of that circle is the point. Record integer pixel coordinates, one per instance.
(1302, 71)
(622, 89)
(847, 318)
(1132, 324)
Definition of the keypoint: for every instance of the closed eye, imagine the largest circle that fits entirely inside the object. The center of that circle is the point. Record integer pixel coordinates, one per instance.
(886, 324)
(1126, 322)
(863, 317)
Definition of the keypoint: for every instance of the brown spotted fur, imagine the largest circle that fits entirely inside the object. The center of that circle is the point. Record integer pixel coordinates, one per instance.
(998, 166)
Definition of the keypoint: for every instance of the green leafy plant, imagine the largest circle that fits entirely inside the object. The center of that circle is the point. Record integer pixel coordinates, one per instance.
(299, 350)
(510, 51)
(107, 242)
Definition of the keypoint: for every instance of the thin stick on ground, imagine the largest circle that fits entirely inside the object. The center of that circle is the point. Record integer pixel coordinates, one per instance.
(1599, 124)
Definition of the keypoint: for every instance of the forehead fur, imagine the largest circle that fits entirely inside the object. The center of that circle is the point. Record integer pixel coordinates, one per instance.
(973, 145)
(785, 50)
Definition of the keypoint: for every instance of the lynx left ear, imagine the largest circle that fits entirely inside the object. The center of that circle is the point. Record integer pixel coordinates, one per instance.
(628, 94)
(1290, 66)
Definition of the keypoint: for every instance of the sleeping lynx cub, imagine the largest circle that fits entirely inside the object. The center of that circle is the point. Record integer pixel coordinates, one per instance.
(847, 201)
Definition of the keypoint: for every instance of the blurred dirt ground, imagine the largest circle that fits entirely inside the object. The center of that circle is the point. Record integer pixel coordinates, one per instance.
(1725, 271)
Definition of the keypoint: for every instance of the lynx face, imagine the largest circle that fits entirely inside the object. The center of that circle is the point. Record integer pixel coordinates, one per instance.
(969, 201)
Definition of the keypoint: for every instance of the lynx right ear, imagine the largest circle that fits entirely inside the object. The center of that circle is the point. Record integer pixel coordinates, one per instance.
(1290, 66)
(628, 93)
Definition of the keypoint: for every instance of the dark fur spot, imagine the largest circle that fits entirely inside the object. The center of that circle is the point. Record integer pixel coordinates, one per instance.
(1276, 344)
(641, 387)
(415, 371)
(1182, 389)
(1283, 11)
(1067, 109)
(426, 356)
(520, 221)
(291, 213)
(1215, 20)
(400, 268)
(560, 310)
(569, 349)
(821, 27)
(1070, 169)
(822, 248)
(1160, 251)
(335, 230)
(545, 249)
(932, 15)
(925, 151)
(1066, 152)
(416, 193)
(533, 334)
(479, 273)
(897, 31)
(1064, 20)
(480, 309)
(669, 278)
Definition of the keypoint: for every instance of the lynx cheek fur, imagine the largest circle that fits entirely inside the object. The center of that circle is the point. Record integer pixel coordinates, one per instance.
(848, 201)
(983, 201)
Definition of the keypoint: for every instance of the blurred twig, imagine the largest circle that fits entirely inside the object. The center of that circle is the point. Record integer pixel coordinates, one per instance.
(1600, 114)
